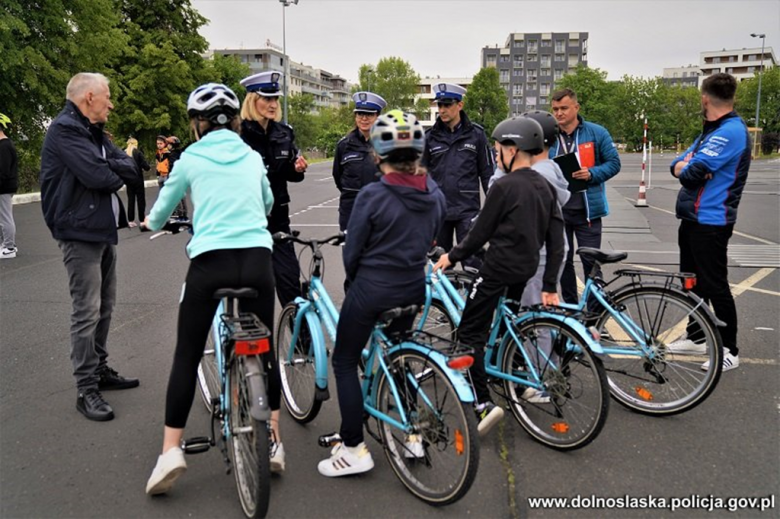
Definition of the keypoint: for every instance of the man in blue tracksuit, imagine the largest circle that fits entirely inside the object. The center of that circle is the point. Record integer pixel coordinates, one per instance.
(458, 159)
(713, 173)
(599, 161)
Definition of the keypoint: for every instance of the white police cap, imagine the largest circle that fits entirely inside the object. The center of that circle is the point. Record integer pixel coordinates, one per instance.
(449, 91)
(368, 102)
(265, 84)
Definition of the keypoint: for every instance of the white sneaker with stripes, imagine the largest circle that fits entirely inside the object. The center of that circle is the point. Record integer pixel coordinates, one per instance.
(345, 461)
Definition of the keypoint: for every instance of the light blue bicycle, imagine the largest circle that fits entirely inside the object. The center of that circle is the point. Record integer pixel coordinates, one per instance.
(416, 392)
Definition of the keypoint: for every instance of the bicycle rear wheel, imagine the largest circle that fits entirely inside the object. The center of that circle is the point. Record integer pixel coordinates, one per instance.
(249, 445)
(298, 373)
(665, 377)
(572, 408)
(208, 376)
(445, 463)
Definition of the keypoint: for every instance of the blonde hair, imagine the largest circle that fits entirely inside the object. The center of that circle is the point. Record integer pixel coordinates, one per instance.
(132, 144)
(249, 109)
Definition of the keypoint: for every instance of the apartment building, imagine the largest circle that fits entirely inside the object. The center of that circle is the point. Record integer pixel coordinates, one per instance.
(328, 89)
(741, 63)
(682, 76)
(529, 64)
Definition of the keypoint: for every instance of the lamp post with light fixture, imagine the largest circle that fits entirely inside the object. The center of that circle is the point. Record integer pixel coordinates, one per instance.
(760, 73)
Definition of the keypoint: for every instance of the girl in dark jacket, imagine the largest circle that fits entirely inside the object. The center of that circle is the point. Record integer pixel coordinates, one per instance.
(136, 193)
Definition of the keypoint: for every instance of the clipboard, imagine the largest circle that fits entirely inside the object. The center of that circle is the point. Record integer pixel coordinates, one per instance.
(569, 164)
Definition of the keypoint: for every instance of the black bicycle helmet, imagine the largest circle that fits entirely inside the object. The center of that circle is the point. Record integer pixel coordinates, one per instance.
(522, 132)
(549, 125)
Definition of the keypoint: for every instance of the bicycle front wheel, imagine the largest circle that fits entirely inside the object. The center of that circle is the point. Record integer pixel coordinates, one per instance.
(438, 322)
(662, 376)
(437, 457)
(249, 445)
(296, 367)
(208, 375)
(571, 408)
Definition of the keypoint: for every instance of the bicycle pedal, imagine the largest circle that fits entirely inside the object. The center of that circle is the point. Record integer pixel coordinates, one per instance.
(196, 445)
(329, 440)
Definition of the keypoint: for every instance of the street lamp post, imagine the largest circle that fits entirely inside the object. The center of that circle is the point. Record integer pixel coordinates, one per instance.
(760, 73)
(285, 4)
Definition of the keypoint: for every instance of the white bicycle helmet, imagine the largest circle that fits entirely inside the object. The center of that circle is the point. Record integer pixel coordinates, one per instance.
(213, 101)
(395, 131)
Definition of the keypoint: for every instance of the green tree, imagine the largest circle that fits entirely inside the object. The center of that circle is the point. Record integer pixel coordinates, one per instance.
(392, 78)
(303, 120)
(747, 92)
(42, 47)
(485, 101)
(331, 125)
(228, 70)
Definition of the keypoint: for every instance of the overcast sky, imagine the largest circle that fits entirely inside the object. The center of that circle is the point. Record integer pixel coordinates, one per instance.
(445, 37)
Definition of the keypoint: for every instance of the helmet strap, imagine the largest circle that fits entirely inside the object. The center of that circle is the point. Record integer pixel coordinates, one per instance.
(507, 168)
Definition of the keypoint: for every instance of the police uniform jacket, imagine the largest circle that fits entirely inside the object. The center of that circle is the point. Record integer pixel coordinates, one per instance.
(276, 145)
(353, 168)
(459, 161)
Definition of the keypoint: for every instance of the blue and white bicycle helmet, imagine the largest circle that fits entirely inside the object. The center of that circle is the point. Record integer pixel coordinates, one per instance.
(214, 102)
(396, 131)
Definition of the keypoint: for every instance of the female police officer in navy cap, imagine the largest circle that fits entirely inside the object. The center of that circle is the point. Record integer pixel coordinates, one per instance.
(275, 142)
(354, 165)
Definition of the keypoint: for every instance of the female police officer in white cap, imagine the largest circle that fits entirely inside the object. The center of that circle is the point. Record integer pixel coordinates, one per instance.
(275, 142)
(354, 165)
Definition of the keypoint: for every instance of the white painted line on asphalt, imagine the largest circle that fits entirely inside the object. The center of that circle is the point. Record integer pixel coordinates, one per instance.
(744, 235)
(764, 328)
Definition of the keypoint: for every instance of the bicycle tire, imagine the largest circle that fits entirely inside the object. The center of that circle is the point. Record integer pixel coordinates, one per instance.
(438, 321)
(462, 280)
(299, 385)
(208, 377)
(446, 427)
(249, 451)
(668, 383)
(575, 385)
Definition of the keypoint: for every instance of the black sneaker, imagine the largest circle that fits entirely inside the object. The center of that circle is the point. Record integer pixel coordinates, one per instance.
(109, 379)
(488, 415)
(90, 403)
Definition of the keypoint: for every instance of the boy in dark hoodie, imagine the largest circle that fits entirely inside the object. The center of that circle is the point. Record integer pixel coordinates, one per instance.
(391, 229)
(520, 215)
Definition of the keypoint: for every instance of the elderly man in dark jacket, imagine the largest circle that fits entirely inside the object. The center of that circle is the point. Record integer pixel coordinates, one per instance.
(81, 172)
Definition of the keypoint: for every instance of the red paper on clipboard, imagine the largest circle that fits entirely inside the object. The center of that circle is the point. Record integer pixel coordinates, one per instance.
(587, 155)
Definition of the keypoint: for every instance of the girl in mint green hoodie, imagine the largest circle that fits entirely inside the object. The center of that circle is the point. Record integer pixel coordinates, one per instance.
(230, 248)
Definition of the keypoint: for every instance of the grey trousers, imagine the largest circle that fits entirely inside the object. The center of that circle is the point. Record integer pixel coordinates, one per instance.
(92, 278)
(7, 226)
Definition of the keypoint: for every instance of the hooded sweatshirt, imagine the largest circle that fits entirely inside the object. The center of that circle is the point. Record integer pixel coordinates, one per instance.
(229, 189)
(392, 228)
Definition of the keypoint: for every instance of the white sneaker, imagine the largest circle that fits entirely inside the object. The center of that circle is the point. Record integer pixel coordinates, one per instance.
(345, 460)
(534, 396)
(414, 447)
(729, 362)
(277, 458)
(687, 347)
(169, 467)
(8, 252)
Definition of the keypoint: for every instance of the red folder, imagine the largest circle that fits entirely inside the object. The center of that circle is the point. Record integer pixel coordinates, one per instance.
(587, 155)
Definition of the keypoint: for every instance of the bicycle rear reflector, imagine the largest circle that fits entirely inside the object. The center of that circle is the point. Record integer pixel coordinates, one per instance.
(459, 447)
(253, 347)
(560, 427)
(689, 283)
(644, 394)
(461, 363)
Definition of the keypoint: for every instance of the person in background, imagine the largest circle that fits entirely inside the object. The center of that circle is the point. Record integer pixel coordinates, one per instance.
(9, 184)
(174, 152)
(162, 156)
(353, 164)
(136, 195)
(275, 142)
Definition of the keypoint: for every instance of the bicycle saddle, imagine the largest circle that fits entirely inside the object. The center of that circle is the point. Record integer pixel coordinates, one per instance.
(236, 293)
(602, 256)
(395, 313)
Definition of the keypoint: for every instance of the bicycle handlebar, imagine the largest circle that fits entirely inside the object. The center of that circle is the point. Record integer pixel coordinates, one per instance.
(172, 226)
(281, 237)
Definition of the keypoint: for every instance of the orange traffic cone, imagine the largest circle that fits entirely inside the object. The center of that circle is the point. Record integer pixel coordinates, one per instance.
(641, 200)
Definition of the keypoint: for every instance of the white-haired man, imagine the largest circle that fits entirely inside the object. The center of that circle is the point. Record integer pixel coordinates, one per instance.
(81, 172)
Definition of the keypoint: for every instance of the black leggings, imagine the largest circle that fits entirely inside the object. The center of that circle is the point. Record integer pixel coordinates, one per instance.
(230, 268)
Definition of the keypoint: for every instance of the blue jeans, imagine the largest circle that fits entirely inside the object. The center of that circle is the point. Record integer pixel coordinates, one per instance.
(91, 271)
(587, 235)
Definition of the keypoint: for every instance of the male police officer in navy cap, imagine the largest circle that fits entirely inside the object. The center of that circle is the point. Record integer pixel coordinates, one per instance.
(459, 159)
(353, 164)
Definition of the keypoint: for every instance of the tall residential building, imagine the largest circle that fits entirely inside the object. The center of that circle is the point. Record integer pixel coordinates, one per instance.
(529, 64)
(328, 89)
(742, 64)
(682, 76)
(425, 91)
